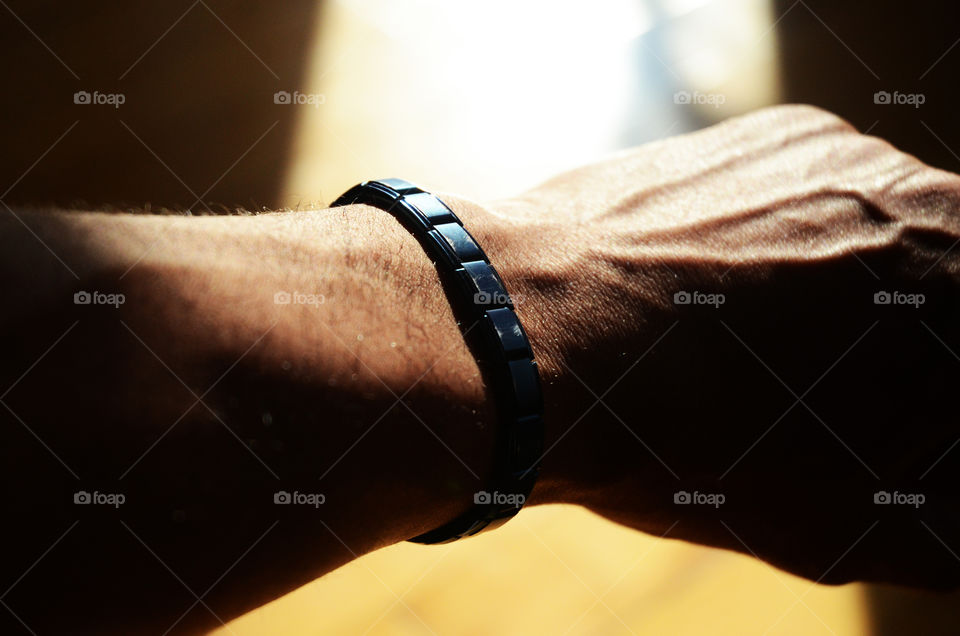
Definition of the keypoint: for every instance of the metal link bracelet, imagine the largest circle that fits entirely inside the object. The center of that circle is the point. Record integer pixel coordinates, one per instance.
(494, 334)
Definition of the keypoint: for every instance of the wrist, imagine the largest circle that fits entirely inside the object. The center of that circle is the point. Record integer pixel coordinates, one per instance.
(591, 311)
(540, 280)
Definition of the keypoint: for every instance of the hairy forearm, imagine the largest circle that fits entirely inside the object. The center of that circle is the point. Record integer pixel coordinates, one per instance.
(204, 393)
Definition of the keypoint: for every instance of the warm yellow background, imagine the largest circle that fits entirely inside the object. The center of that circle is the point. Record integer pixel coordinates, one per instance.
(559, 570)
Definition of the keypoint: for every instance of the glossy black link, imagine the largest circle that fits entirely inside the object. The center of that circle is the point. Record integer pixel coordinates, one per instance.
(349, 197)
(462, 243)
(410, 216)
(466, 525)
(440, 251)
(526, 387)
(476, 528)
(527, 445)
(509, 333)
(379, 194)
(432, 208)
(399, 186)
(487, 290)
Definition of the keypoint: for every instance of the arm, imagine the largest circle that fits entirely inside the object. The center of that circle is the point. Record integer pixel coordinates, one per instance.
(295, 397)
(797, 398)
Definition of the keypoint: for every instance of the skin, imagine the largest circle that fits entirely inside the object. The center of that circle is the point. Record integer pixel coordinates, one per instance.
(789, 213)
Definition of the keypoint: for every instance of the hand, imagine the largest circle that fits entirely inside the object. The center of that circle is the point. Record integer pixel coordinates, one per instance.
(705, 313)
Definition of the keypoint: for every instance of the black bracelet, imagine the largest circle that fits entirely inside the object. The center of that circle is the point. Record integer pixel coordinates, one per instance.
(493, 332)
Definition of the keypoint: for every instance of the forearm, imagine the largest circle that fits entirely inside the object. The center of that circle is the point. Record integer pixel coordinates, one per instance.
(200, 396)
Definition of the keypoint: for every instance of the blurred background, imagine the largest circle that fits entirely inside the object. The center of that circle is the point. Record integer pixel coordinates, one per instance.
(209, 105)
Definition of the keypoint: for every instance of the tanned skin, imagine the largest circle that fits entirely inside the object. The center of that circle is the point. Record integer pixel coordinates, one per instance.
(797, 397)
